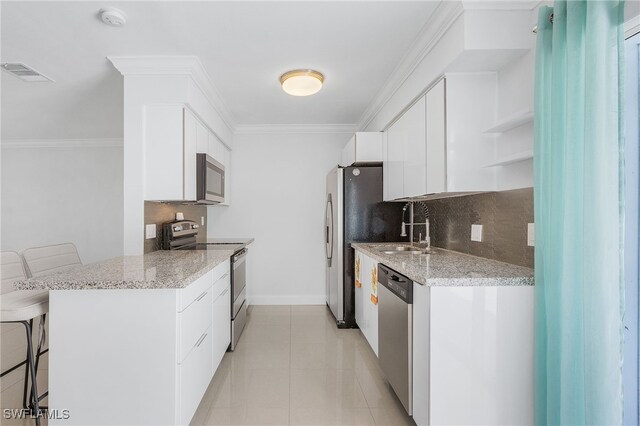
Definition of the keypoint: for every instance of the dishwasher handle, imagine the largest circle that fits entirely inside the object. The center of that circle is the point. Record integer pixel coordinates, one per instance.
(395, 282)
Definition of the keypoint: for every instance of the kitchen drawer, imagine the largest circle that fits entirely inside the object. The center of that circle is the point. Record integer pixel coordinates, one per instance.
(220, 270)
(195, 374)
(193, 291)
(220, 285)
(193, 321)
(221, 325)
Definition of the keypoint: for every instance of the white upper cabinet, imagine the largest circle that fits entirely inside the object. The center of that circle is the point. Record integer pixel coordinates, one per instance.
(216, 148)
(202, 134)
(439, 145)
(227, 176)
(363, 147)
(436, 134)
(170, 148)
(415, 168)
(173, 136)
(471, 100)
(405, 160)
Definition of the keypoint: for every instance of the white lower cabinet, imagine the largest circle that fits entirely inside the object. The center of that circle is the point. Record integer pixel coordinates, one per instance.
(473, 355)
(366, 300)
(204, 334)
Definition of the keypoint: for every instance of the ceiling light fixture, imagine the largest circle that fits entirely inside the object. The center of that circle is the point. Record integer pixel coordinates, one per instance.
(112, 16)
(302, 82)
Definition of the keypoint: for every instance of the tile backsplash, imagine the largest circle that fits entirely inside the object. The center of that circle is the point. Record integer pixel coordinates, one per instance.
(160, 213)
(503, 215)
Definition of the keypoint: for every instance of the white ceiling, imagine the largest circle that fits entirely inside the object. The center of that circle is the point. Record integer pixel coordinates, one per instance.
(244, 46)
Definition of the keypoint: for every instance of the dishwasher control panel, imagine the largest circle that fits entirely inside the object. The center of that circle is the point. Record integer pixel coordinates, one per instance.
(397, 283)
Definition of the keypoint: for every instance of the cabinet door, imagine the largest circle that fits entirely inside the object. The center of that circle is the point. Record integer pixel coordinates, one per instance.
(193, 378)
(393, 164)
(359, 290)
(221, 322)
(190, 149)
(227, 176)
(421, 305)
(369, 300)
(436, 138)
(349, 153)
(372, 305)
(216, 148)
(202, 137)
(415, 165)
(368, 147)
(163, 159)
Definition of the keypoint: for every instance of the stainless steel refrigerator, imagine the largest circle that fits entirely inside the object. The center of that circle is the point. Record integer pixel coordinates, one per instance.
(354, 212)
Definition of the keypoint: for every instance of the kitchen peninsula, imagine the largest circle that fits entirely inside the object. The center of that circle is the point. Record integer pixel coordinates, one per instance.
(145, 333)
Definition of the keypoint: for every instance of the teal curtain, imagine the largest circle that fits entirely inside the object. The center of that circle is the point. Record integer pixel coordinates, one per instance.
(578, 169)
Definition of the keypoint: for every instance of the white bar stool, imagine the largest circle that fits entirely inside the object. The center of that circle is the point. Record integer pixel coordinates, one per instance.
(22, 306)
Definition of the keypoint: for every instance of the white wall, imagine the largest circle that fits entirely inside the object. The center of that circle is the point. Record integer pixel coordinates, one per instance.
(279, 189)
(63, 194)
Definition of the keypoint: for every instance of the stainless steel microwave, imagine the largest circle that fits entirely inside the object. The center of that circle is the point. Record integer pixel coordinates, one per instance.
(210, 180)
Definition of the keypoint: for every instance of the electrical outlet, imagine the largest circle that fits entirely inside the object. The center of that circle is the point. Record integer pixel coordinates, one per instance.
(202, 220)
(150, 231)
(531, 235)
(476, 233)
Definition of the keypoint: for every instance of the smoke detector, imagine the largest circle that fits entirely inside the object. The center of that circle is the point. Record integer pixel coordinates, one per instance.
(23, 72)
(112, 16)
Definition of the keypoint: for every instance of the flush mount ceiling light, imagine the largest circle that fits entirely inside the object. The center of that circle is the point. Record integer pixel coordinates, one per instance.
(301, 82)
(112, 16)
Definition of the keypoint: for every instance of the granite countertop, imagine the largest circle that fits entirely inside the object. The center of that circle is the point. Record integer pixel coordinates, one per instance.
(161, 269)
(449, 268)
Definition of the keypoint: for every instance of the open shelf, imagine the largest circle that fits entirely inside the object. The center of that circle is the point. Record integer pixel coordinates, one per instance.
(513, 158)
(511, 122)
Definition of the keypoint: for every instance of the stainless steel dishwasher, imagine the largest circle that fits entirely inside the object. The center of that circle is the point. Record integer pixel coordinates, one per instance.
(395, 330)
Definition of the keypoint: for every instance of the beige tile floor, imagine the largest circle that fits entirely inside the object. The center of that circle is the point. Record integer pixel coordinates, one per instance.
(292, 366)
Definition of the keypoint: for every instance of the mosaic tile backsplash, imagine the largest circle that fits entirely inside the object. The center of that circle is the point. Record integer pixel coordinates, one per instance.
(160, 213)
(503, 215)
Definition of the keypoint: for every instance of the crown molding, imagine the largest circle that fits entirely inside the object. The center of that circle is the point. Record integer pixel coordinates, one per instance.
(61, 143)
(176, 65)
(253, 129)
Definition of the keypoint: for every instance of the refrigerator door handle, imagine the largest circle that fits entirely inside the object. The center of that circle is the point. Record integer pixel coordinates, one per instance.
(329, 230)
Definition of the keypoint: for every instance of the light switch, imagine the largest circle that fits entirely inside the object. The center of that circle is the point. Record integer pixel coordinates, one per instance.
(476, 233)
(531, 235)
(202, 220)
(150, 231)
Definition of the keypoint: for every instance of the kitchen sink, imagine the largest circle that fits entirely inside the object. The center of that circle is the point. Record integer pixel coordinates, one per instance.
(405, 249)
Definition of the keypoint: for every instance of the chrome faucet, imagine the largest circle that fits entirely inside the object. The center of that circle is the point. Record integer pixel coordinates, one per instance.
(425, 210)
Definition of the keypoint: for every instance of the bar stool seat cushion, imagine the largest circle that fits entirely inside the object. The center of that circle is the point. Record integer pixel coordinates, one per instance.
(22, 305)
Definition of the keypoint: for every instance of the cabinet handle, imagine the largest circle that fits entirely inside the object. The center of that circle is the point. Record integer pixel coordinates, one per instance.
(222, 277)
(226, 290)
(201, 339)
(201, 296)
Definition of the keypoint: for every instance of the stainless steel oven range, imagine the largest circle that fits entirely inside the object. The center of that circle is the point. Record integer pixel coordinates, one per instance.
(181, 235)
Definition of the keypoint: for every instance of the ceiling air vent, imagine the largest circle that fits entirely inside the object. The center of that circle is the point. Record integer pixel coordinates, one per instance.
(23, 72)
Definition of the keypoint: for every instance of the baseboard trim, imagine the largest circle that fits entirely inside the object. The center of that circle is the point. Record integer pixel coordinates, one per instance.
(287, 300)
